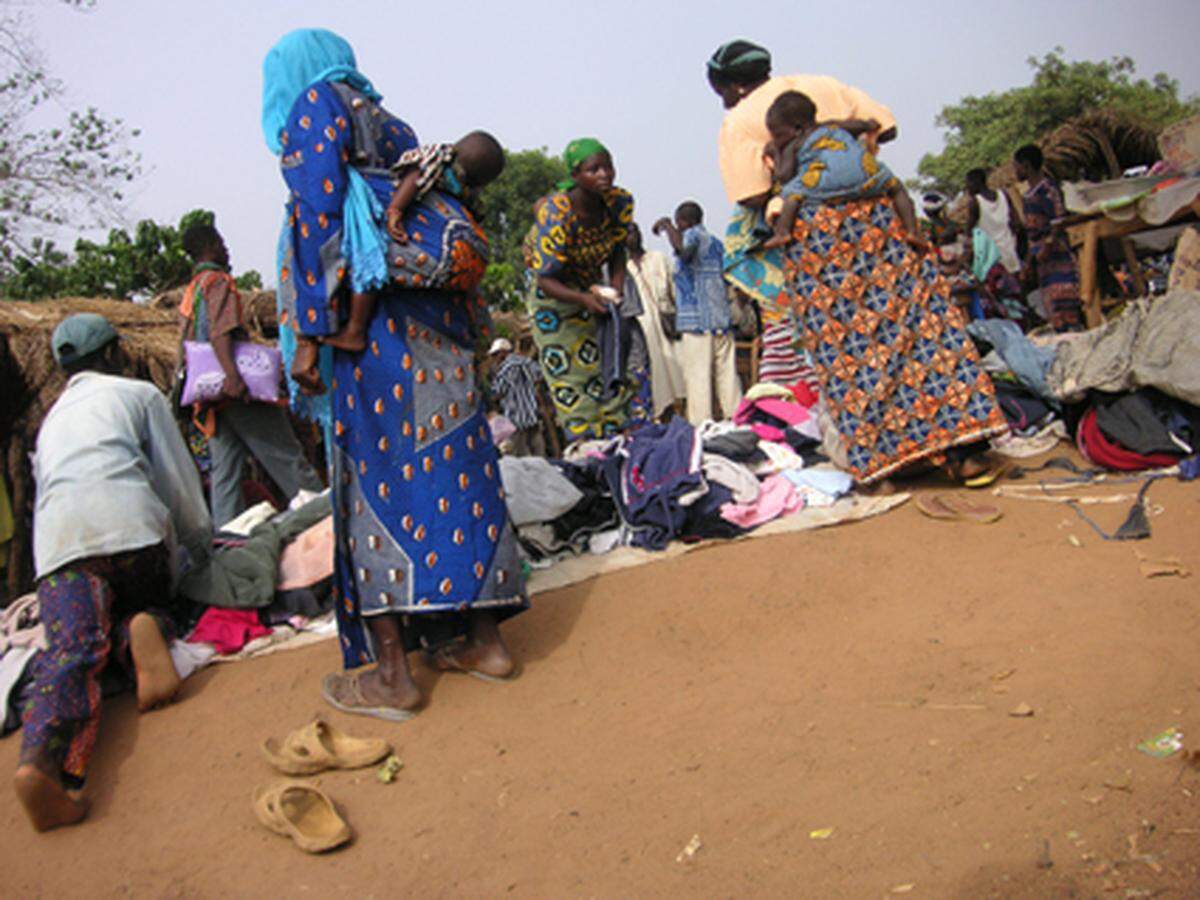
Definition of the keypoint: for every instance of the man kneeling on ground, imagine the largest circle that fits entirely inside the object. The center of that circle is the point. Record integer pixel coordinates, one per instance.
(119, 503)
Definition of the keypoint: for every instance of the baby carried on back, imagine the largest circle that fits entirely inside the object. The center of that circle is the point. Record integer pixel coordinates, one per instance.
(432, 221)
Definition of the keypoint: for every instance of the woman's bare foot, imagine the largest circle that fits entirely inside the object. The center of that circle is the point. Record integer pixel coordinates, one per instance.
(483, 650)
(46, 802)
(972, 467)
(372, 688)
(157, 680)
(468, 657)
(778, 240)
(348, 339)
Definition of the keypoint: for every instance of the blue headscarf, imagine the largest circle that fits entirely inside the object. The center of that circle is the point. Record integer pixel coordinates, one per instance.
(299, 59)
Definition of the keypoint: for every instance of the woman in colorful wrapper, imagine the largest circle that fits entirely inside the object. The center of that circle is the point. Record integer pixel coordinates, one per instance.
(578, 232)
(1049, 261)
(425, 555)
(900, 378)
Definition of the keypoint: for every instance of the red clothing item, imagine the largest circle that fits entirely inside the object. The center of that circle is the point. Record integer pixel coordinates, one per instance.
(228, 630)
(1096, 446)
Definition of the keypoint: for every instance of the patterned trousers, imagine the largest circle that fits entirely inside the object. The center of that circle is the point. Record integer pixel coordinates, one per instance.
(78, 605)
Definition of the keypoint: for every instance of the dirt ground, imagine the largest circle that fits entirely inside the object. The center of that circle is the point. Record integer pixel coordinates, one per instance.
(857, 679)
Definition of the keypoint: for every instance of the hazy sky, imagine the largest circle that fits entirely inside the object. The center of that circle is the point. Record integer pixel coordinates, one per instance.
(188, 75)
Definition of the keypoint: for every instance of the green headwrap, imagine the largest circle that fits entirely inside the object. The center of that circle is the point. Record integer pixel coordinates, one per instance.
(740, 61)
(577, 151)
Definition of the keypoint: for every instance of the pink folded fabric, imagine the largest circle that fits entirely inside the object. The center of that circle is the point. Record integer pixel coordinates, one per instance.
(228, 630)
(776, 498)
(308, 559)
(786, 411)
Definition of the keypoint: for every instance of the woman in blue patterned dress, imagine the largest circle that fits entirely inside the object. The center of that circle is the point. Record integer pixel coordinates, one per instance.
(425, 556)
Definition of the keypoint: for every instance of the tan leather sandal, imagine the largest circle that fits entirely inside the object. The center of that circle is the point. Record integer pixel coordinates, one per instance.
(319, 746)
(302, 812)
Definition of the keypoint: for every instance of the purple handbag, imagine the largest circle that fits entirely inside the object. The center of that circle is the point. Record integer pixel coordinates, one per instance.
(260, 367)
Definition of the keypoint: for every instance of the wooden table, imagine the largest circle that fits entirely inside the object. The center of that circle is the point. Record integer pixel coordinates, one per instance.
(1087, 230)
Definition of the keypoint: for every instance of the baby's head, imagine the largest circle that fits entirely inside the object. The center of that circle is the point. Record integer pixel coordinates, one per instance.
(480, 157)
(791, 113)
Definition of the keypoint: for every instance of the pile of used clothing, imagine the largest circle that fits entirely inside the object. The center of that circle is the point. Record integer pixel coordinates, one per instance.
(1128, 392)
(676, 482)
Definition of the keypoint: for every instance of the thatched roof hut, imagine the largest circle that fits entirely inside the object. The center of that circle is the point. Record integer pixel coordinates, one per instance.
(1094, 146)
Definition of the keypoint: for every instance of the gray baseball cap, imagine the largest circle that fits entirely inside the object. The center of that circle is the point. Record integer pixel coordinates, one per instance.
(78, 335)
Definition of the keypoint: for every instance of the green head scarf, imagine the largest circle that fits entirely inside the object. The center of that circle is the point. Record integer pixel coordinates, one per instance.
(740, 62)
(577, 151)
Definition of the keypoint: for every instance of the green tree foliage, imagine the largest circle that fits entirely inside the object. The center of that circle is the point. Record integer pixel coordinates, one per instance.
(148, 262)
(72, 171)
(984, 131)
(508, 214)
(250, 280)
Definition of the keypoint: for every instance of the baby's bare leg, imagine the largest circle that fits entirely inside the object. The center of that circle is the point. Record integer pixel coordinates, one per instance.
(353, 336)
(783, 224)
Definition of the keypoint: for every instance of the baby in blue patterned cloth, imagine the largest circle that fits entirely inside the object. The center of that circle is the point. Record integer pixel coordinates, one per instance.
(460, 170)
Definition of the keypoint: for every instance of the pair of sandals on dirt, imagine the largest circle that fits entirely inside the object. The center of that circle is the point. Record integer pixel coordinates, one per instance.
(300, 810)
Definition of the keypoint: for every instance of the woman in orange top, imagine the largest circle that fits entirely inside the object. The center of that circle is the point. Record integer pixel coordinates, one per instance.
(740, 74)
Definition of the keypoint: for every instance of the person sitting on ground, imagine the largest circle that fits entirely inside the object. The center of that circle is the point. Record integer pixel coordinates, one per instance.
(702, 314)
(212, 312)
(990, 210)
(796, 143)
(119, 509)
(461, 170)
(515, 382)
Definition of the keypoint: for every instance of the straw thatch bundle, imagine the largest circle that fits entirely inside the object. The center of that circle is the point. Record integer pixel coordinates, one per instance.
(149, 338)
(1094, 146)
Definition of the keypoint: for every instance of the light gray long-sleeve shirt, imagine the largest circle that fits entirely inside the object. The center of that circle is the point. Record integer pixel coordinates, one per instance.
(113, 474)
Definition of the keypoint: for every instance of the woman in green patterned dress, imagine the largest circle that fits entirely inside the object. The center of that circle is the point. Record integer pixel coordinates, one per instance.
(578, 231)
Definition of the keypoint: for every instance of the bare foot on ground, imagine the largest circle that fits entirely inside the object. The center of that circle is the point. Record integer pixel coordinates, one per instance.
(490, 659)
(157, 680)
(46, 802)
(369, 689)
